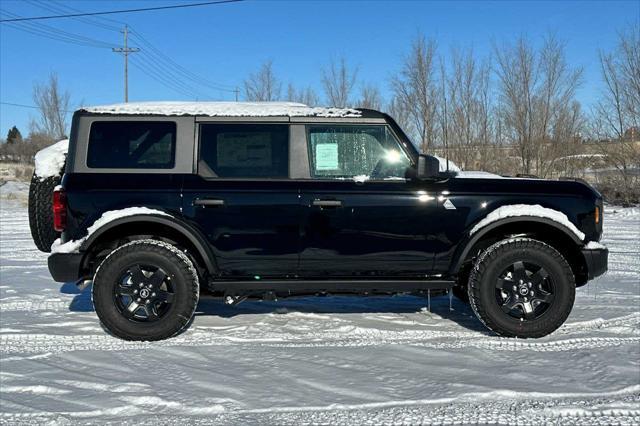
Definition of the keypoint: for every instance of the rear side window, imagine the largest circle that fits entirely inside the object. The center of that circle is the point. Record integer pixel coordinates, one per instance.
(245, 150)
(132, 145)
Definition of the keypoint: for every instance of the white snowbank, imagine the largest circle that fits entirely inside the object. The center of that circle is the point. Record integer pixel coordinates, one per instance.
(527, 210)
(594, 245)
(73, 245)
(13, 190)
(49, 161)
(223, 109)
(453, 167)
(478, 175)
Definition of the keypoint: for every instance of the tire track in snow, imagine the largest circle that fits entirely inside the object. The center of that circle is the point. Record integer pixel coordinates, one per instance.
(35, 305)
(12, 344)
(631, 320)
(493, 407)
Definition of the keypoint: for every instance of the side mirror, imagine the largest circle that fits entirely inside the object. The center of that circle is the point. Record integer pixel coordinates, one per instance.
(428, 166)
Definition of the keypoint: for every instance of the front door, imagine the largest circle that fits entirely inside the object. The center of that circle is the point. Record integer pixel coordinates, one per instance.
(243, 201)
(361, 217)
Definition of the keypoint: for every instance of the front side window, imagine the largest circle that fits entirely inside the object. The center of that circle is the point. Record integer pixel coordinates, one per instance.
(132, 145)
(360, 152)
(245, 150)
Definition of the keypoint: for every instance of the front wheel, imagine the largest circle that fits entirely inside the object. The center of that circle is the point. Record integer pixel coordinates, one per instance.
(522, 288)
(145, 290)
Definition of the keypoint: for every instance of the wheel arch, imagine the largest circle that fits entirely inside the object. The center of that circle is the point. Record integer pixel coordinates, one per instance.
(169, 229)
(543, 229)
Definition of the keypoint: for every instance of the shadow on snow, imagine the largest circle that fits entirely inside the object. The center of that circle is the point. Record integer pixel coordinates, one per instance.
(460, 313)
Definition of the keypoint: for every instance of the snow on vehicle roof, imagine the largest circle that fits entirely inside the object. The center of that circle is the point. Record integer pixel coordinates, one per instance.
(223, 109)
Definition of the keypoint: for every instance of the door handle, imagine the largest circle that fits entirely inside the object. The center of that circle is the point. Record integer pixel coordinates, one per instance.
(327, 203)
(208, 202)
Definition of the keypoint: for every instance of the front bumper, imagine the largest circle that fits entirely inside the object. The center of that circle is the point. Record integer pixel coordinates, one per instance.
(596, 260)
(65, 267)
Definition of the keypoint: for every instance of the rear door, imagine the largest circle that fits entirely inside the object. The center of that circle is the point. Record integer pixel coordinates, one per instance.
(243, 200)
(362, 218)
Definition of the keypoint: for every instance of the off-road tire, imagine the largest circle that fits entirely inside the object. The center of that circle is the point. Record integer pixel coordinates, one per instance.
(41, 211)
(486, 270)
(183, 277)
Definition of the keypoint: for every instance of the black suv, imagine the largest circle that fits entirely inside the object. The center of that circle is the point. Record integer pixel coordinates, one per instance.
(268, 200)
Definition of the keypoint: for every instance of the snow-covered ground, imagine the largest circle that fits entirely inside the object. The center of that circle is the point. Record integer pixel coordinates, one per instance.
(334, 360)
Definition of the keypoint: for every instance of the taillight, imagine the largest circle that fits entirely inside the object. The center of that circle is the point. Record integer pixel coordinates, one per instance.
(59, 210)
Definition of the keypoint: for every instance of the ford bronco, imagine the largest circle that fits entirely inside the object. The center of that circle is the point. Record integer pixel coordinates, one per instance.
(158, 201)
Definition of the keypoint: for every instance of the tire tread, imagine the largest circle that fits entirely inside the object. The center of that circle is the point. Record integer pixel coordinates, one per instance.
(162, 248)
(500, 249)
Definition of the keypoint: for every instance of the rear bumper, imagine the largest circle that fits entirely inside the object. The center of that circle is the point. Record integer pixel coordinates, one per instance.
(65, 267)
(597, 261)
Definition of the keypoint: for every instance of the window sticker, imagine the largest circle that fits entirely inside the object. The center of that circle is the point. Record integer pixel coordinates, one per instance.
(327, 156)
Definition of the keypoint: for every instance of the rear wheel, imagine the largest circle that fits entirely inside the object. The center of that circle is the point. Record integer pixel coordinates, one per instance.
(522, 288)
(146, 290)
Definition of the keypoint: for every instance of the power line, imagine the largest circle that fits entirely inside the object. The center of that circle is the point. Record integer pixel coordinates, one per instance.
(171, 79)
(154, 74)
(61, 8)
(183, 71)
(30, 106)
(167, 66)
(55, 33)
(111, 12)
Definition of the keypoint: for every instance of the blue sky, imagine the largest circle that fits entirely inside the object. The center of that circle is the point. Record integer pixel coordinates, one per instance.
(225, 43)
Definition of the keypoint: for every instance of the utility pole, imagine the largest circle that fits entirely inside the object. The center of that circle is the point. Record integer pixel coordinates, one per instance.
(236, 91)
(126, 50)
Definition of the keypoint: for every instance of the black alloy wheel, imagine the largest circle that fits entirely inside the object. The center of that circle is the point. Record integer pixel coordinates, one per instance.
(146, 290)
(521, 287)
(144, 293)
(525, 290)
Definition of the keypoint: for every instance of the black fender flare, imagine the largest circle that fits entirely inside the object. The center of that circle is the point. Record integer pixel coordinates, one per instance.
(194, 235)
(470, 241)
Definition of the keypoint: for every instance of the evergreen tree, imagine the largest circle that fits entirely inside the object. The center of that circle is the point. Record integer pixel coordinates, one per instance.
(14, 135)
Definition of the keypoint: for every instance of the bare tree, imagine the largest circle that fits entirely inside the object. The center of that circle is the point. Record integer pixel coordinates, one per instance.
(305, 96)
(53, 105)
(616, 120)
(338, 82)
(263, 86)
(537, 88)
(370, 97)
(466, 98)
(416, 89)
(399, 111)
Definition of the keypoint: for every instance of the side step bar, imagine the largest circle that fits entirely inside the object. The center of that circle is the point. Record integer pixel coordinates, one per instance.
(298, 286)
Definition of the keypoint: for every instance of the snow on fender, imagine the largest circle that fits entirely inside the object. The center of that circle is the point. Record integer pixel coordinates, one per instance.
(50, 160)
(74, 245)
(536, 210)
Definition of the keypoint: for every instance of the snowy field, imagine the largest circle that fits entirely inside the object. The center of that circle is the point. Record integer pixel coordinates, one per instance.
(334, 360)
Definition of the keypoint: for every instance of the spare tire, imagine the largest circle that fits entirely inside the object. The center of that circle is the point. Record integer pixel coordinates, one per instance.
(41, 211)
(50, 165)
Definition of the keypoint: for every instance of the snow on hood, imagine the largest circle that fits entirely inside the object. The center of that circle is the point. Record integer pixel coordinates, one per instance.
(453, 167)
(49, 161)
(527, 210)
(223, 109)
(74, 245)
(477, 175)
